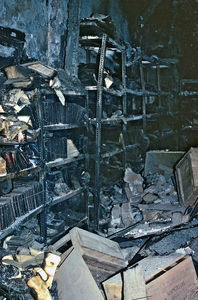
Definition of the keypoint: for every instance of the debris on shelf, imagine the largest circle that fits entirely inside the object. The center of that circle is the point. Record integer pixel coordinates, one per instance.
(22, 85)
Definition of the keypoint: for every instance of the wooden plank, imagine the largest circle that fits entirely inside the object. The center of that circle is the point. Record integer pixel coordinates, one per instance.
(155, 160)
(38, 67)
(175, 283)
(88, 240)
(99, 274)
(152, 265)
(104, 261)
(74, 280)
(134, 284)
(113, 287)
(102, 256)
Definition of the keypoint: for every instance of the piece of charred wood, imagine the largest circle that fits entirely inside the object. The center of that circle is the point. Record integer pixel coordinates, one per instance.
(20, 82)
(40, 288)
(41, 69)
(51, 263)
(17, 72)
(134, 284)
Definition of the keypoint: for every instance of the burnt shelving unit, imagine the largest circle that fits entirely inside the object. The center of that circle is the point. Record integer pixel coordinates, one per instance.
(141, 103)
(46, 165)
(25, 199)
(153, 94)
(55, 161)
(117, 124)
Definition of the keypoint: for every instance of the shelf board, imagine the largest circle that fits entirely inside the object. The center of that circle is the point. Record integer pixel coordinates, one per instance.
(188, 93)
(111, 153)
(20, 173)
(74, 93)
(54, 127)
(190, 127)
(147, 93)
(67, 196)
(13, 143)
(64, 161)
(118, 93)
(93, 40)
(20, 220)
(140, 92)
(125, 120)
(134, 118)
(110, 121)
(118, 120)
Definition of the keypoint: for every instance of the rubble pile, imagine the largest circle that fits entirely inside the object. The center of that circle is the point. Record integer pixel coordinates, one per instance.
(151, 201)
(151, 240)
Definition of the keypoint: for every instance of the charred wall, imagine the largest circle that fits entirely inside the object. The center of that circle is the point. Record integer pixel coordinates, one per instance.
(30, 17)
(45, 24)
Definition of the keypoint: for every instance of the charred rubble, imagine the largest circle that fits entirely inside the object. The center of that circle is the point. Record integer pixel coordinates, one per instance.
(98, 170)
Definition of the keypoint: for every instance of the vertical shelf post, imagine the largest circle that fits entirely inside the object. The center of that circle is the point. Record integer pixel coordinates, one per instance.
(43, 215)
(98, 131)
(124, 126)
(144, 98)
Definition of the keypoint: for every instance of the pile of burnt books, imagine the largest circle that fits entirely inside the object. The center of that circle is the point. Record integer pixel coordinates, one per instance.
(22, 199)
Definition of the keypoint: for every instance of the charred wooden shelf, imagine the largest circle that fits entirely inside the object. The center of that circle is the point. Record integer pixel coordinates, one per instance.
(47, 91)
(140, 92)
(190, 127)
(13, 143)
(188, 93)
(111, 153)
(65, 197)
(147, 93)
(54, 127)
(134, 118)
(118, 120)
(93, 41)
(20, 173)
(113, 92)
(64, 161)
(20, 220)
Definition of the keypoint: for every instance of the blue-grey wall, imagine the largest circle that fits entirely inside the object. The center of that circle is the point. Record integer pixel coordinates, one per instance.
(45, 22)
(30, 17)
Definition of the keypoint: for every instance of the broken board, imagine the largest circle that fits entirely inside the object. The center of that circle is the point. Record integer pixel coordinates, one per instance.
(176, 281)
(162, 162)
(102, 256)
(113, 287)
(74, 280)
(187, 178)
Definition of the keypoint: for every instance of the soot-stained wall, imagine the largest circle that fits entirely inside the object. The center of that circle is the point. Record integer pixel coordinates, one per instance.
(45, 24)
(30, 17)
